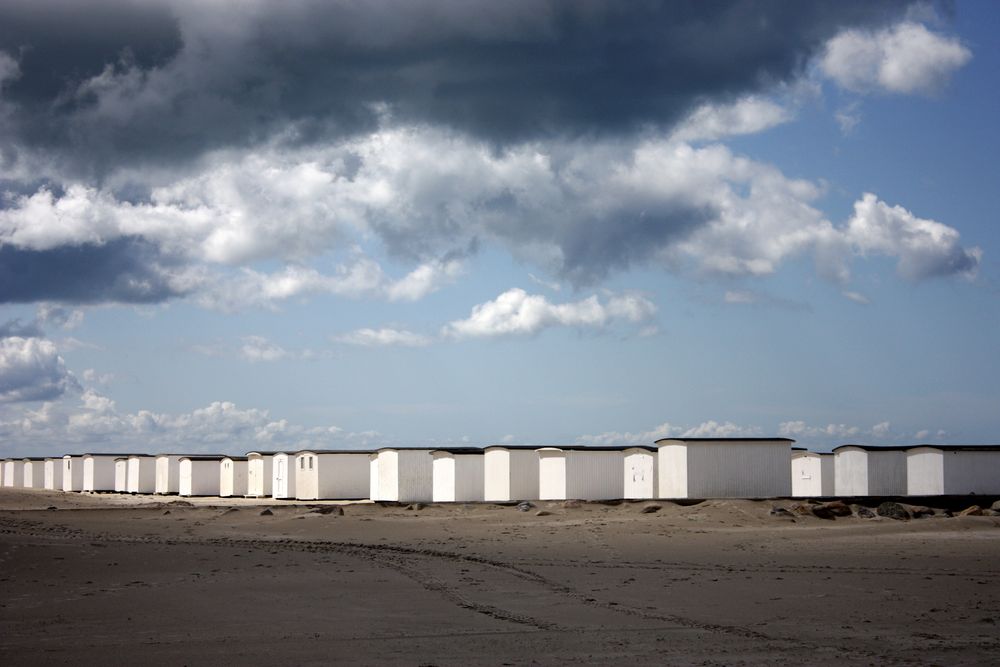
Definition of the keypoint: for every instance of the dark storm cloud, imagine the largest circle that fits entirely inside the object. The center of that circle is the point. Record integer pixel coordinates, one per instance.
(125, 270)
(110, 82)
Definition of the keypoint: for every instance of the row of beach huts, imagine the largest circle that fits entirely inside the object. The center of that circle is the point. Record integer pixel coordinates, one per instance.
(671, 468)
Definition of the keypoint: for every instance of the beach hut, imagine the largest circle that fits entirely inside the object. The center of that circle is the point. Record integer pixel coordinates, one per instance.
(457, 474)
(121, 475)
(510, 473)
(723, 467)
(141, 474)
(953, 470)
(13, 472)
(53, 474)
(72, 473)
(582, 473)
(99, 471)
(812, 474)
(259, 474)
(861, 470)
(404, 475)
(332, 474)
(233, 476)
(640, 473)
(33, 473)
(283, 475)
(199, 475)
(168, 474)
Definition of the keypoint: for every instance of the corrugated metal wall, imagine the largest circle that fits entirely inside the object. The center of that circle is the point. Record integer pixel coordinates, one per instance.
(739, 469)
(971, 472)
(468, 477)
(887, 473)
(924, 472)
(595, 475)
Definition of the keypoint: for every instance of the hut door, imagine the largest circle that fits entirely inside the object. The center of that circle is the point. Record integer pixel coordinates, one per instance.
(281, 478)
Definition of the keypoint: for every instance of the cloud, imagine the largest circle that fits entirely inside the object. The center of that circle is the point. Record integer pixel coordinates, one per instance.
(133, 83)
(126, 270)
(856, 297)
(925, 248)
(517, 313)
(834, 433)
(220, 426)
(905, 58)
(362, 277)
(383, 337)
(32, 370)
(258, 348)
(707, 429)
(848, 117)
(749, 115)
(580, 211)
(64, 318)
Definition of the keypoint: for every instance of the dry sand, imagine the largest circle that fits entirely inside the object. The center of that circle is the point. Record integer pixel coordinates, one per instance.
(106, 579)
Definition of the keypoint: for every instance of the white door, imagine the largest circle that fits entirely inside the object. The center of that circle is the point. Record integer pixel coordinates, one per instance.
(282, 482)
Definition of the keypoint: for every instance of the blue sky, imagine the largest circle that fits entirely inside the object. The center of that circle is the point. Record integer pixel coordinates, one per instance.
(363, 225)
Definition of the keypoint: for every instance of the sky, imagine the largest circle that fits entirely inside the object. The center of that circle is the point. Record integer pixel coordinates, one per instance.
(285, 225)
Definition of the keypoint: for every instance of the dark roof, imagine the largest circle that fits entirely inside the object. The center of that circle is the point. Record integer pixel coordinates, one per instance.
(803, 450)
(403, 449)
(32, 458)
(727, 439)
(270, 452)
(962, 448)
(234, 458)
(140, 456)
(205, 457)
(583, 448)
(335, 451)
(875, 448)
(531, 447)
(117, 455)
(458, 450)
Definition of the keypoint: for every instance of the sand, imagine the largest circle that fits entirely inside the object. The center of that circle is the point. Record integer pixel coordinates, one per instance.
(107, 579)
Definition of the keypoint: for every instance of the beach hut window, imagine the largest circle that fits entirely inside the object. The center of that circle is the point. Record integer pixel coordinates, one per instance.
(310, 463)
(302, 463)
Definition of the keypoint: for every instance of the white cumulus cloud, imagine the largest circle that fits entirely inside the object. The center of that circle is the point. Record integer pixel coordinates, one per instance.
(515, 312)
(905, 58)
(383, 337)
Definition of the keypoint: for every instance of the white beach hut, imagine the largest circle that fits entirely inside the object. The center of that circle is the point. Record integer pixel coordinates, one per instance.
(72, 473)
(332, 474)
(724, 467)
(953, 470)
(99, 471)
(168, 474)
(13, 472)
(283, 475)
(457, 474)
(259, 474)
(199, 475)
(582, 473)
(233, 476)
(33, 473)
(861, 470)
(640, 473)
(53, 474)
(510, 473)
(121, 475)
(404, 475)
(141, 474)
(812, 474)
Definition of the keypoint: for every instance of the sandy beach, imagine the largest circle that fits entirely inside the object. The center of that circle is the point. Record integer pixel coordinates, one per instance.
(89, 579)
